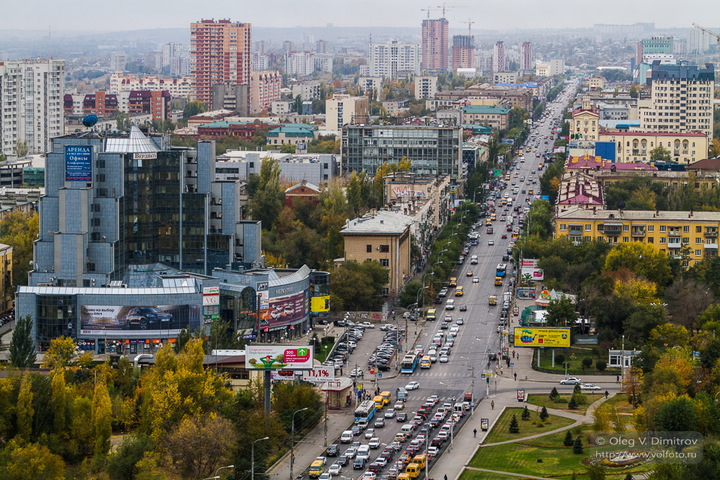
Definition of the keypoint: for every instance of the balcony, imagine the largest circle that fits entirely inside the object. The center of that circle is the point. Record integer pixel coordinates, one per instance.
(711, 246)
(575, 230)
(637, 231)
(674, 243)
(710, 233)
(674, 233)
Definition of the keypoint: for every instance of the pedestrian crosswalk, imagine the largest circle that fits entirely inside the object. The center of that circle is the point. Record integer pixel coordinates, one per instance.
(430, 373)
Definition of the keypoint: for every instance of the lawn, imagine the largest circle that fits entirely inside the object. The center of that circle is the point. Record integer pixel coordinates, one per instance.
(501, 433)
(562, 402)
(468, 474)
(545, 456)
(573, 357)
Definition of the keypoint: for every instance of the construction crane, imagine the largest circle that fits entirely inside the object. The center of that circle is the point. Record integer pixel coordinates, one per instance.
(428, 10)
(469, 24)
(717, 37)
(445, 6)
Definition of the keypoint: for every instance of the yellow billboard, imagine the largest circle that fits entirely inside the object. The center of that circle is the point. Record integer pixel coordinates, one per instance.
(320, 304)
(542, 337)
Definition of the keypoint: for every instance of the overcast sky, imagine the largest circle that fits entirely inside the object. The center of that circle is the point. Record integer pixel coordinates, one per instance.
(107, 15)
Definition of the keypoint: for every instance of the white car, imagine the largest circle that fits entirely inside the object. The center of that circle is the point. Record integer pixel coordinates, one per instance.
(356, 372)
(589, 386)
(412, 386)
(334, 469)
(368, 476)
(443, 359)
(476, 280)
(390, 413)
(367, 325)
(491, 242)
(570, 381)
(369, 433)
(374, 443)
(325, 476)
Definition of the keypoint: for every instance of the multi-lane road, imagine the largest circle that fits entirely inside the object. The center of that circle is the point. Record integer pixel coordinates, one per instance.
(478, 336)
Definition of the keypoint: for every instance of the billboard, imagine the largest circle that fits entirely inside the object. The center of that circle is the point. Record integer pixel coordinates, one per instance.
(542, 337)
(320, 304)
(319, 374)
(283, 311)
(117, 321)
(78, 163)
(278, 357)
(529, 270)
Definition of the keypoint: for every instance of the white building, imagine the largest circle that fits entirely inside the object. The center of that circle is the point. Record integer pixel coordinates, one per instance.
(260, 61)
(300, 64)
(306, 90)
(368, 84)
(557, 67)
(425, 87)
(343, 110)
(31, 102)
(394, 59)
(505, 77)
(183, 87)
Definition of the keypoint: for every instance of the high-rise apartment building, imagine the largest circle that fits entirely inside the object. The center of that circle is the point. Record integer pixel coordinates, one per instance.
(435, 45)
(394, 59)
(463, 51)
(264, 89)
(344, 110)
(499, 60)
(118, 60)
(425, 87)
(31, 104)
(681, 99)
(300, 64)
(219, 53)
(526, 57)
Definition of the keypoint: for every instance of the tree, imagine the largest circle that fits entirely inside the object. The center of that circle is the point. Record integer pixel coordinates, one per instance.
(357, 286)
(525, 414)
(601, 365)
(568, 442)
(561, 313)
(24, 408)
(19, 230)
(198, 445)
(193, 108)
(572, 404)
(102, 418)
(586, 363)
(22, 348)
(34, 462)
(578, 446)
(686, 299)
(62, 351)
(677, 415)
(554, 394)
(514, 426)
(21, 149)
(544, 414)
(641, 259)
(660, 154)
(122, 464)
(58, 401)
(267, 194)
(410, 294)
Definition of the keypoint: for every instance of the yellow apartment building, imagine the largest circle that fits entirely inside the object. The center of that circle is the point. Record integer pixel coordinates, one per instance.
(688, 147)
(687, 236)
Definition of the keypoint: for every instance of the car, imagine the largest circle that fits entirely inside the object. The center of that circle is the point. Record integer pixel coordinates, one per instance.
(401, 417)
(443, 359)
(443, 292)
(506, 258)
(504, 236)
(432, 451)
(334, 469)
(589, 386)
(369, 433)
(469, 273)
(374, 443)
(325, 476)
(444, 325)
(367, 325)
(368, 476)
(399, 405)
(570, 381)
(463, 308)
(491, 242)
(342, 460)
(356, 430)
(333, 450)
(389, 413)
(412, 386)
(475, 280)
(144, 318)
(356, 372)
(346, 436)
(359, 463)
(379, 423)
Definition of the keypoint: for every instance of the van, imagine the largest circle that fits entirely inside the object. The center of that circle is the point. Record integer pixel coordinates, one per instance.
(430, 315)
(498, 281)
(346, 437)
(425, 362)
(402, 394)
(386, 396)
(459, 291)
(316, 469)
(530, 191)
(459, 408)
(420, 460)
(379, 402)
(407, 429)
(453, 282)
(413, 469)
(403, 476)
(474, 260)
(363, 451)
(493, 217)
(450, 304)
(492, 300)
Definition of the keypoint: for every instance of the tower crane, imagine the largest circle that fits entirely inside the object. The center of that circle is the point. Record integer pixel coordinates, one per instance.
(445, 7)
(717, 37)
(469, 24)
(428, 10)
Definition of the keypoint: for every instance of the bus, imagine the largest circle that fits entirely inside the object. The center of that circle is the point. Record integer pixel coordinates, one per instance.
(365, 411)
(500, 270)
(409, 362)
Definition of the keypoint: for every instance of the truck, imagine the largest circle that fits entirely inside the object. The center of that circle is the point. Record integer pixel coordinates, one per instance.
(507, 297)
(492, 300)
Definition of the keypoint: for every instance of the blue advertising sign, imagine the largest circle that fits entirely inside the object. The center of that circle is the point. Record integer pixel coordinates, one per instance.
(78, 163)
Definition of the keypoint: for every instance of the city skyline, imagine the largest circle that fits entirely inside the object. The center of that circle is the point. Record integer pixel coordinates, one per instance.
(41, 14)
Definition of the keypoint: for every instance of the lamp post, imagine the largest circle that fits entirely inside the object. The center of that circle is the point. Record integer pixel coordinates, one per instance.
(292, 442)
(222, 468)
(252, 456)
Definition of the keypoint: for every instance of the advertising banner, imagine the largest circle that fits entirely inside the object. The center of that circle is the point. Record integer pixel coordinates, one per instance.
(78, 163)
(278, 357)
(319, 374)
(545, 337)
(320, 304)
(284, 310)
(530, 271)
(116, 321)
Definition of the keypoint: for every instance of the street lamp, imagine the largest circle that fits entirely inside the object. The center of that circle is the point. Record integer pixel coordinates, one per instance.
(222, 468)
(292, 442)
(252, 456)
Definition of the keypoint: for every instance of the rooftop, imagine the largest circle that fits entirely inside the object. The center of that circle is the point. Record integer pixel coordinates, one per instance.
(294, 130)
(705, 164)
(136, 142)
(382, 222)
(578, 213)
(655, 134)
(486, 109)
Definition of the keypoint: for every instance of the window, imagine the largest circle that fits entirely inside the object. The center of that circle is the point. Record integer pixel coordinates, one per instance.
(385, 291)
(662, 228)
(698, 240)
(662, 240)
(385, 248)
(651, 239)
(384, 262)
(588, 227)
(368, 248)
(686, 240)
(686, 228)
(651, 228)
(626, 228)
(698, 253)
(563, 227)
(626, 239)
(698, 229)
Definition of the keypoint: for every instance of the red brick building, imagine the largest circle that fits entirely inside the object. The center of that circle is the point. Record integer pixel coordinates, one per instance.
(304, 190)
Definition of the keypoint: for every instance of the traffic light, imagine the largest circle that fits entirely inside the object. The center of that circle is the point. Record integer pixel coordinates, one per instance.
(487, 380)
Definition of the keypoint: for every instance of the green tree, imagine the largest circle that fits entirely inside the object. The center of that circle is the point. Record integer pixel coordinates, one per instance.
(34, 462)
(22, 348)
(561, 313)
(525, 414)
(573, 404)
(199, 445)
(676, 415)
(357, 286)
(660, 154)
(267, 195)
(578, 446)
(193, 108)
(641, 259)
(19, 230)
(601, 365)
(122, 463)
(102, 418)
(21, 148)
(568, 442)
(514, 426)
(587, 363)
(24, 408)
(58, 400)
(554, 393)
(544, 414)
(409, 294)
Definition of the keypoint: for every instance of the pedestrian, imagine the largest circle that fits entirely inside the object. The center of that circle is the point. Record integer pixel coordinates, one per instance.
(617, 379)
(515, 374)
(492, 405)
(445, 476)
(606, 394)
(474, 432)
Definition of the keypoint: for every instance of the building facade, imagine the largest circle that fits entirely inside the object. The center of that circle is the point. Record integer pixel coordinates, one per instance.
(493, 116)
(686, 148)
(299, 64)
(183, 87)
(463, 51)
(31, 102)
(6, 279)
(264, 89)
(434, 150)
(435, 45)
(345, 110)
(425, 87)
(298, 134)
(219, 53)
(681, 100)
(315, 168)
(526, 62)
(395, 59)
(499, 60)
(382, 237)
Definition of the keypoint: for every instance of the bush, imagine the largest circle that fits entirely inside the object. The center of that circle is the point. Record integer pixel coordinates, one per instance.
(525, 414)
(601, 365)
(122, 463)
(586, 363)
(544, 414)
(559, 359)
(568, 442)
(577, 389)
(572, 404)
(554, 394)
(577, 446)
(514, 426)
(580, 398)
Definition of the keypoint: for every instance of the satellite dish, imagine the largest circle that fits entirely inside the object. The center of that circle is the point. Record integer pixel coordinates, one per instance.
(90, 120)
